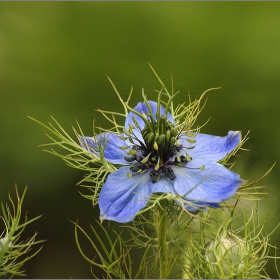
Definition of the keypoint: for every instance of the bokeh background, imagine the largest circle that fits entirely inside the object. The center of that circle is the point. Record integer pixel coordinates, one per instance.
(54, 58)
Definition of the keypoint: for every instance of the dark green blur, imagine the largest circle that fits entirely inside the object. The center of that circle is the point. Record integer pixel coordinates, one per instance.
(54, 58)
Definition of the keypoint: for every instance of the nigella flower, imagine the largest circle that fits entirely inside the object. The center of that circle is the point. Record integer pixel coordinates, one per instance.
(154, 155)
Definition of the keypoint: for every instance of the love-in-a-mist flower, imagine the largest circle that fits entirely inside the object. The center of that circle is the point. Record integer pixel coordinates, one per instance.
(156, 155)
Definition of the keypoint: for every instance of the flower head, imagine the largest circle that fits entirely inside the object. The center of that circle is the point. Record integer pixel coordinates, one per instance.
(155, 154)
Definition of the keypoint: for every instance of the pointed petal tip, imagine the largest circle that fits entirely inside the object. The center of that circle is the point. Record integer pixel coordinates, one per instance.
(102, 218)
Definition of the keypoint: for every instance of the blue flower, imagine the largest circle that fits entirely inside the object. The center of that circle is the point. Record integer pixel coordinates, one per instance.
(153, 155)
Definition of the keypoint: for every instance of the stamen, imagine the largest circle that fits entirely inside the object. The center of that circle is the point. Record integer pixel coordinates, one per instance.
(130, 140)
(131, 152)
(190, 134)
(130, 130)
(157, 165)
(135, 147)
(135, 122)
(123, 147)
(168, 172)
(155, 176)
(123, 138)
(191, 141)
(139, 167)
(190, 147)
(188, 157)
(145, 160)
(129, 159)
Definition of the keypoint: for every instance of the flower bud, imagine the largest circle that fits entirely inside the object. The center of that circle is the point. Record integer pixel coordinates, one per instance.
(225, 255)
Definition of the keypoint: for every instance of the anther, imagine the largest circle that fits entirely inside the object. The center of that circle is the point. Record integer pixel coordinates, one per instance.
(123, 147)
(134, 157)
(191, 141)
(131, 152)
(168, 172)
(202, 167)
(135, 122)
(155, 176)
(129, 159)
(190, 134)
(123, 138)
(188, 158)
(139, 167)
(130, 140)
(183, 159)
(135, 147)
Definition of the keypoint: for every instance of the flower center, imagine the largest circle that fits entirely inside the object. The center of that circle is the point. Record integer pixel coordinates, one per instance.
(154, 150)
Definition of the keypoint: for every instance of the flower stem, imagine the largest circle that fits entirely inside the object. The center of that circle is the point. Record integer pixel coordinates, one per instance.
(161, 228)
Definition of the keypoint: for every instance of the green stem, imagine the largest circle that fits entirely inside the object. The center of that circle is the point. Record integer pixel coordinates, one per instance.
(161, 228)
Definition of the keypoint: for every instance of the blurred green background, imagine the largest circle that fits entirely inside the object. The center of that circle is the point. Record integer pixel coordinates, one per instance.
(54, 58)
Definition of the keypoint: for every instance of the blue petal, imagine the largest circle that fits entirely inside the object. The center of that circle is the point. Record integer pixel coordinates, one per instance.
(209, 147)
(195, 207)
(213, 184)
(121, 198)
(142, 107)
(110, 141)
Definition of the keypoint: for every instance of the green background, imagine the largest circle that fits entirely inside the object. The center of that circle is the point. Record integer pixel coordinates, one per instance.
(54, 58)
